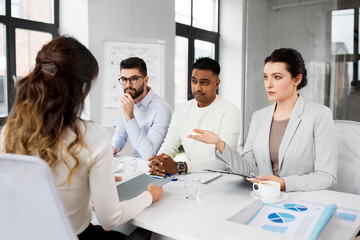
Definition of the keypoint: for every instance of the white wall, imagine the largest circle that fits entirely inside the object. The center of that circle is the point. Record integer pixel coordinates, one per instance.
(231, 51)
(74, 22)
(74, 19)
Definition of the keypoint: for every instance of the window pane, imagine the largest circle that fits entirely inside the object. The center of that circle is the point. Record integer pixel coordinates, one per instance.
(2, 7)
(181, 66)
(342, 31)
(183, 11)
(347, 94)
(28, 43)
(205, 14)
(36, 10)
(204, 49)
(3, 81)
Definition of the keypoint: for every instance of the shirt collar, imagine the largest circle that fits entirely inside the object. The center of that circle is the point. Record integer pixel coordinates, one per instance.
(147, 99)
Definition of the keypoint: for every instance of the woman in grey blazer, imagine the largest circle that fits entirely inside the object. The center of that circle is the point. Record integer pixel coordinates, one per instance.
(293, 141)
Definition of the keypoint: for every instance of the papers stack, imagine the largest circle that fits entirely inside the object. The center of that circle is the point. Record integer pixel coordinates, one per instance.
(290, 219)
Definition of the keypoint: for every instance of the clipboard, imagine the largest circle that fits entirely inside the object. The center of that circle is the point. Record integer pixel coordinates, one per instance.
(137, 185)
(224, 171)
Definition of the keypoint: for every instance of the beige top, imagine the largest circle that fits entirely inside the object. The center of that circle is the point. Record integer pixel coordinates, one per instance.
(93, 184)
(276, 135)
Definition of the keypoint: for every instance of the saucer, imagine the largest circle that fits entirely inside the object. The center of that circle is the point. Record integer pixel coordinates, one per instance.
(282, 196)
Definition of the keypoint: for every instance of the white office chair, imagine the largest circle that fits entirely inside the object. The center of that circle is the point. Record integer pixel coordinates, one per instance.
(348, 141)
(29, 204)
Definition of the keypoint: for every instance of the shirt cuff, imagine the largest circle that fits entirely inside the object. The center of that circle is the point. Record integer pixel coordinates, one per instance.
(218, 153)
(131, 126)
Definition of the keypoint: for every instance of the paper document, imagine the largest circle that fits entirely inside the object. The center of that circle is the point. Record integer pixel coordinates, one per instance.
(344, 218)
(296, 220)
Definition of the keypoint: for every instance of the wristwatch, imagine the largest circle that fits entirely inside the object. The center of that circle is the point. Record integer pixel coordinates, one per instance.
(181, 167)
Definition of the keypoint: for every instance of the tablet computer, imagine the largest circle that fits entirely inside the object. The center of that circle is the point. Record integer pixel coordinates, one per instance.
(137, 185)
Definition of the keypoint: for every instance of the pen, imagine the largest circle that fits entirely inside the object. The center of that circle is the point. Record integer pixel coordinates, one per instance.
(157, 177)
(173, 179)
(160, 177)
(252, 175)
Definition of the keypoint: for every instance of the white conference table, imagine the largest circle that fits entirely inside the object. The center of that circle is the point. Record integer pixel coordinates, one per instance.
(174, 216)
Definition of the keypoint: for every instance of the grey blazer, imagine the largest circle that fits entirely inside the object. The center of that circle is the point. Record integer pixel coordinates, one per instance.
(307, 153)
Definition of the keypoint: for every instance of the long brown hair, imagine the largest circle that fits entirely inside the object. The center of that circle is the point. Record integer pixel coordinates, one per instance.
(49, 101)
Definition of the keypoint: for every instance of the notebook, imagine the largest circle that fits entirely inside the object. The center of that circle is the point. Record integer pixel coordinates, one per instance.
(137, 185)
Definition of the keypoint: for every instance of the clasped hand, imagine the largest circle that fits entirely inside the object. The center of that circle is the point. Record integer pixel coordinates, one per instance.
(162, 164)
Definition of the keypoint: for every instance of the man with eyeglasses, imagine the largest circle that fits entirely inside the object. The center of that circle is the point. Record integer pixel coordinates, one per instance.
(207, 111)
(144, 116)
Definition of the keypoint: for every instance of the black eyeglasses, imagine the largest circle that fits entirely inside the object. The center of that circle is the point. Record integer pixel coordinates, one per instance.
(132, 80)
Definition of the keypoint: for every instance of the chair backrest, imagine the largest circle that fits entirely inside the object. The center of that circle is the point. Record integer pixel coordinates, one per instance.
(348, 142)
(29, 204)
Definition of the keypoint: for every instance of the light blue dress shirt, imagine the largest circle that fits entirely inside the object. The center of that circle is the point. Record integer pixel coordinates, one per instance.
(148, 128)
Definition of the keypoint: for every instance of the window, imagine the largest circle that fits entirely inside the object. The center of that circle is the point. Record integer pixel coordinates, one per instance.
(25, 26)
(345, 50)
(196, 36)
(326, 35)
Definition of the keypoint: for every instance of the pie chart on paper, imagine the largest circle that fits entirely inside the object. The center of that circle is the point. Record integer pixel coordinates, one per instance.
(296, 207)
(281, 217)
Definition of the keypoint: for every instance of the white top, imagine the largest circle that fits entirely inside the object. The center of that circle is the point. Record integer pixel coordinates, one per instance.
(220, 117)
(93, 183)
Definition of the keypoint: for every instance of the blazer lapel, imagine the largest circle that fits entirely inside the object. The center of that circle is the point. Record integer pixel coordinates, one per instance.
(291, 128)
(266, 135)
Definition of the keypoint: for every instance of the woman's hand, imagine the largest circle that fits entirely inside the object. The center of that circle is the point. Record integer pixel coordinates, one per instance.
(155, 191)
(269, 178)
(208, 137)
(118, 179)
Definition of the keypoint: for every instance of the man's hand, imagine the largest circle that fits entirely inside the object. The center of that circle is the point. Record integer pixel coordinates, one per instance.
(162, 164)
(127, 106)
(208, 137)
(155, 191)
(114, 150)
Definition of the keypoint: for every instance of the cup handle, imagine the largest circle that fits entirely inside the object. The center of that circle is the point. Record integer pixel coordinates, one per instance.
(257, 185)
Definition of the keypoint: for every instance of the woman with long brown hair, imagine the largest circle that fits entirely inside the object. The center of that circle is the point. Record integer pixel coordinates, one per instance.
(45, 122)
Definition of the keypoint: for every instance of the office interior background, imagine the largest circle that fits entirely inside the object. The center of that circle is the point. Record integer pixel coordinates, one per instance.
(238, 33)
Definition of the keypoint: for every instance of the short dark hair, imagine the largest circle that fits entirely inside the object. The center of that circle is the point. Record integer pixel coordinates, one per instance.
(294, 63)
(206, 63)
(134, 62)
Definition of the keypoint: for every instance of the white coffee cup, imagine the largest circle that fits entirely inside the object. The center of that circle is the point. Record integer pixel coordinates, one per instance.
(130, 166)
(267, 189)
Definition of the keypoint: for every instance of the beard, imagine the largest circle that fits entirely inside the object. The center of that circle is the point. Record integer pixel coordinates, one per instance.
(137, 92)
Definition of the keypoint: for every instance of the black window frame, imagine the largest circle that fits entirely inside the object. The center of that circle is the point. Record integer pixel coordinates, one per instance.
(355, 56)
(11, 24)
(192, 33)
